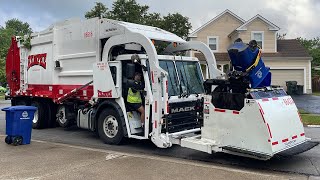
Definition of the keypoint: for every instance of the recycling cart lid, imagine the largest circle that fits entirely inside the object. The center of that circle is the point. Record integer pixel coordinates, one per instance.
(20, 108)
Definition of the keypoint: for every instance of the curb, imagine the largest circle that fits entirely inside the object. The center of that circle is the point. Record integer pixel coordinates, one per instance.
(313, 126)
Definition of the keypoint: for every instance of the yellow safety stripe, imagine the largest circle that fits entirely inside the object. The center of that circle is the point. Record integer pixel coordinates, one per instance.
(255, 62)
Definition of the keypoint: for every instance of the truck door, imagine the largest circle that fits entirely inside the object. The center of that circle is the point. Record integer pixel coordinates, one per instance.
(148, 97)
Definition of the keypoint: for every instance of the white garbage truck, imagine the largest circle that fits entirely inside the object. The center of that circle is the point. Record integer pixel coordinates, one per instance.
(78, 72)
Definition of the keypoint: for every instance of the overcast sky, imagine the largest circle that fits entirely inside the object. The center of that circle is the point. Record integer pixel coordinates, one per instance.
(294, 17)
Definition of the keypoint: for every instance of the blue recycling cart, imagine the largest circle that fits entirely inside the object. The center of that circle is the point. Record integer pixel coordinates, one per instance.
(19, 124)
(242, 57)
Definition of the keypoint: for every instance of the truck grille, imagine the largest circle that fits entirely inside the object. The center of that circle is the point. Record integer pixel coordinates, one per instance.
(182, 116)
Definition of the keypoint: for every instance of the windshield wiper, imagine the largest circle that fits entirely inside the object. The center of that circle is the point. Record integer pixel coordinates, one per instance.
(184, 70)
(172, 87)
(186, 83)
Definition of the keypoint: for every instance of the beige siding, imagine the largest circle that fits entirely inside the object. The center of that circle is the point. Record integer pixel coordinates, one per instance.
(269, 36)
(221, 27)
(292, 64)
(234, 36)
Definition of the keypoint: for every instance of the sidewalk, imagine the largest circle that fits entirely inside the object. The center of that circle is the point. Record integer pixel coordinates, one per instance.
(42, 160)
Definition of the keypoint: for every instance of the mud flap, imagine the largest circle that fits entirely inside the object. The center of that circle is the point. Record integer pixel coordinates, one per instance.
(307, 145)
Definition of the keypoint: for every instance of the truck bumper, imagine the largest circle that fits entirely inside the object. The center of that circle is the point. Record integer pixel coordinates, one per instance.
(305, 146)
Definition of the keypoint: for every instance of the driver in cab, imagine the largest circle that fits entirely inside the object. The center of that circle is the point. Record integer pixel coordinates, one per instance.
(134, 96)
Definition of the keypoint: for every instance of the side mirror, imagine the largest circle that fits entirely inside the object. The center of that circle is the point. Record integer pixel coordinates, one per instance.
(136, 59)
(131, 68)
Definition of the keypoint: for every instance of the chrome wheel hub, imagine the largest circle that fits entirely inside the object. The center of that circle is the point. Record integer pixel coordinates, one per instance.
(110, 126)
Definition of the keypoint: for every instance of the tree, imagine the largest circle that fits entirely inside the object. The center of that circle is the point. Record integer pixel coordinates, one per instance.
(313, 47)
(5, 41)
(131, 11)
(19, 28)
(99, 10)
(153, 19)
(177, 24)
(2, 70)
(310, 43)
(13, 27)
(281, 36)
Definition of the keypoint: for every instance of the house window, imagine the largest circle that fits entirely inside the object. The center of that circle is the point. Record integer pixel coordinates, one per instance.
(259, 37)
(213, 42)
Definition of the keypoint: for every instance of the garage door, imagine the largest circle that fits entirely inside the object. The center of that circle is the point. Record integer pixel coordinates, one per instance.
(280, 76)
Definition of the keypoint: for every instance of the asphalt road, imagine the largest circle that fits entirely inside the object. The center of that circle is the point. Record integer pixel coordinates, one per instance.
(307, 163)
(308, 103)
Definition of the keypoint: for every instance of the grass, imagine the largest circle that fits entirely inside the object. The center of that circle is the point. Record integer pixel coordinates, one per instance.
(316, 93)
(309, 119)
(2, 96)
(301, 111)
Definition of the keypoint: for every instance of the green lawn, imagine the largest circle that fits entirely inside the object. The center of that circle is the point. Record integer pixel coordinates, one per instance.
(309, 119)
(2, 96)
(316, 93)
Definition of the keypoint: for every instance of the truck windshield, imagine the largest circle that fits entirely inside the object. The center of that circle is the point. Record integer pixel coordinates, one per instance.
(173, 86)
(190, 76)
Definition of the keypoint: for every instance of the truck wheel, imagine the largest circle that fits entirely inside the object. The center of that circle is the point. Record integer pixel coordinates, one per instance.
(63, 116)
(52, 113)
(20, 103)
(39, 116)
(110, 127)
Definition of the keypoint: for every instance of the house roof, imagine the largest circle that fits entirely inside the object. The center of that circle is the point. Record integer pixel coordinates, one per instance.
(287, 48)
(272, 27)
(193, 34)
(291, 48)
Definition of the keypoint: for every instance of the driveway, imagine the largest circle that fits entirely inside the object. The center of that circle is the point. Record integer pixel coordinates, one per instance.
(308, 103)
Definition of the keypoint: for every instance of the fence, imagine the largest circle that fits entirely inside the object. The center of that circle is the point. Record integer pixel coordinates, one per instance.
(316, 84)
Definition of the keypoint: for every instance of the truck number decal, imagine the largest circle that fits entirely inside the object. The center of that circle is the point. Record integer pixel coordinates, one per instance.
(88, 34)
(102, 66)
(288, 101)
(37, 59)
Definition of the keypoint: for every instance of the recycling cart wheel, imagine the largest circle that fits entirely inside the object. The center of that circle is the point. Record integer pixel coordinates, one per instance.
(17, 141)
(8, 140)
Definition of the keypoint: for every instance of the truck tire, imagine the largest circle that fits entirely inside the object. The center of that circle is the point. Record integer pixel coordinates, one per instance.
(64, 118)
(19, 102)
(38, 121)
(110, 127)
(52, 111)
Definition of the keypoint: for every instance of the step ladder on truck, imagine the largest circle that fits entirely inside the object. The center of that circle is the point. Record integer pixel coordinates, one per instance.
(79, 71)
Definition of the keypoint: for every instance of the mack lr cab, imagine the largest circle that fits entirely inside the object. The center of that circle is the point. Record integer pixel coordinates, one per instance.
(79, 72)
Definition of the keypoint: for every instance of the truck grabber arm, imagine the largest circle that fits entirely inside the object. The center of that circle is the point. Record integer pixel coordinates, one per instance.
(71, 93)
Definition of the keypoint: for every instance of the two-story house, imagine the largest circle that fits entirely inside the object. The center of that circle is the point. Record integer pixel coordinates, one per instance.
(288, 59)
